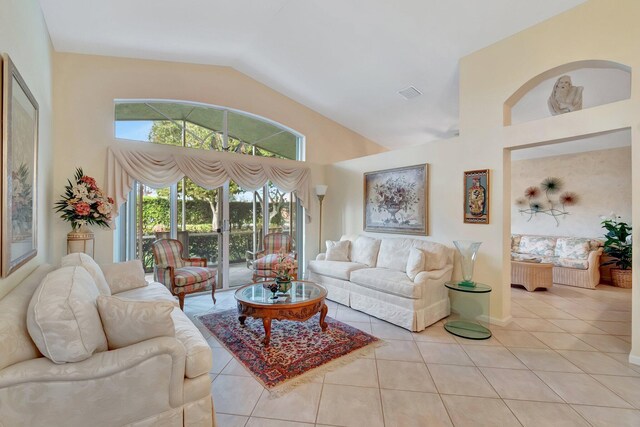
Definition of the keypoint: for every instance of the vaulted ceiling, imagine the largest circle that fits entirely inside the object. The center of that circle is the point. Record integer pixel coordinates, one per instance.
(346, 59)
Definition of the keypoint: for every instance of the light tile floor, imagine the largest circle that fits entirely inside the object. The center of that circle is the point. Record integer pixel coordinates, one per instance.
(561, 361)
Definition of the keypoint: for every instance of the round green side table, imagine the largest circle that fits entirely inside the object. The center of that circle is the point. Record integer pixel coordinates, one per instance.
(470, 303)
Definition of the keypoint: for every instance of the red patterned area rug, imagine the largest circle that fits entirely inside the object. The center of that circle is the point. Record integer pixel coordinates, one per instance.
(298, 350)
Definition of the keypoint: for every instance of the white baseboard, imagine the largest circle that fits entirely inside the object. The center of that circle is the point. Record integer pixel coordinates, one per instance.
(501, 322)
(634, 359)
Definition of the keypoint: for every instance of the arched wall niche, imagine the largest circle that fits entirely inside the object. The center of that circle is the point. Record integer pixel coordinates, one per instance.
(604, 82)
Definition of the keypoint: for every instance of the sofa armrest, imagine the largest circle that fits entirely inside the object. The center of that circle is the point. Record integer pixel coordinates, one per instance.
(103, 367)
(594, 258)
(321, 257)
(423, 276)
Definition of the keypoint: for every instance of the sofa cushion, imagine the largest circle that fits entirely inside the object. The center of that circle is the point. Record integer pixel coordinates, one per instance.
(436, 254)
(537, 245)
(127, 322)
(394, 254)
(13, 320)
(338, 251)
(154, 291)
(62, 317)
(365, 250)
(572, 247)
(85, 261)
(515, 242)
(415, 262)
(581, 264)
(335, 269)
(525, 257)
(124, 276)
(198, 361)
(388, 281)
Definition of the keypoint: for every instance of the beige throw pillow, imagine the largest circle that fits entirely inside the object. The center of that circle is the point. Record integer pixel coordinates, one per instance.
(415, 262)
(62, 317)
(365, 250)
(125, 276)
(338, 251)
(130, 322)
(85, 261)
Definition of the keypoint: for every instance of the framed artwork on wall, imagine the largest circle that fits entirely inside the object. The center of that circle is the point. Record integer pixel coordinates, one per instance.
(476, 196)
(19, 169)
(395, 200)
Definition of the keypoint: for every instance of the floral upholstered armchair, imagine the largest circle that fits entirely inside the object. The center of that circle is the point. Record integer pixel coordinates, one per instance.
(181, 275)
(264, 262)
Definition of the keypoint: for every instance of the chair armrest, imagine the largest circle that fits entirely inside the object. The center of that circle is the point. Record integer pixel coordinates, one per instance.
(321, 257)
(260, 254)
(195, 262)
(102, 366)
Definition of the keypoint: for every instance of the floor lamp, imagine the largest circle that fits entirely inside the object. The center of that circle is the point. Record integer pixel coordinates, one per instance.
(321, 190)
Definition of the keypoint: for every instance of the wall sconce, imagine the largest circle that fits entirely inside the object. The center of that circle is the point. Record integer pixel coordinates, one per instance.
(321, 190)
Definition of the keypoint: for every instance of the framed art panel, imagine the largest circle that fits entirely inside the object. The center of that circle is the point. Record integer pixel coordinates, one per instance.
(476, 196)
(19, 170)
(395, 200)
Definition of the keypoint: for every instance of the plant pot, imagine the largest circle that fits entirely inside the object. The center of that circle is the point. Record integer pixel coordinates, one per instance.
(621, 278)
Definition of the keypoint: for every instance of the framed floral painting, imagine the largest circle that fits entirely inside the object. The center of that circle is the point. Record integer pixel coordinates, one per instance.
(19, 169)
(395, 200)
(476, 196)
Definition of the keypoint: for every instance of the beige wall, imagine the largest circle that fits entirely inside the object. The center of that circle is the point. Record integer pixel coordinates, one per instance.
(24, 36)
(601, 179)
(595, 30)
(84, 91)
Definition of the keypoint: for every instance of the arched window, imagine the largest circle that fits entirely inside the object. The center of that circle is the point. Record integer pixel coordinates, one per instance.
(225, 225)
(206, 127)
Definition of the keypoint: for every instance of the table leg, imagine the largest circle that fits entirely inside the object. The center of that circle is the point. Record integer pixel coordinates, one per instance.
(266, 322)
(323, 314)
(241, 319)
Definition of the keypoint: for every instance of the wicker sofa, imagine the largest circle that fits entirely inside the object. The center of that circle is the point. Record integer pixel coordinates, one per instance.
(576, 260)
(376, 279)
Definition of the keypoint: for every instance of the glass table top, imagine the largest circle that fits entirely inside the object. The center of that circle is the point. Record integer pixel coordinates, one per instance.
(479, 288)
(301, 291)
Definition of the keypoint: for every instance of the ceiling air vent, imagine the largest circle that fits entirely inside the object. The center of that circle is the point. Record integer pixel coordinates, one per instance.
(409, 92)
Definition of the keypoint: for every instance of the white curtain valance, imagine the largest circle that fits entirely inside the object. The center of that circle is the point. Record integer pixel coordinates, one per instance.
(159, 166)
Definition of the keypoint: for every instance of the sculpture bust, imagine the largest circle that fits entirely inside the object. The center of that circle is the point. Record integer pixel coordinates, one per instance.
(565, 97)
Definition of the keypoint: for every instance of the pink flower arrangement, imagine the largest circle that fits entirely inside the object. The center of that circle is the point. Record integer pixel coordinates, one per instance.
(286, 266)
(83, 202)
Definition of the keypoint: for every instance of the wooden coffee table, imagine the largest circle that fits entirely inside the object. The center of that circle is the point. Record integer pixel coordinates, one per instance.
(302, 301)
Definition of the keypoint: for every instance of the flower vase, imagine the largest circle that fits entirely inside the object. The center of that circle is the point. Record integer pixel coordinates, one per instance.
(284, 284)
(468, 251)
(81, 239)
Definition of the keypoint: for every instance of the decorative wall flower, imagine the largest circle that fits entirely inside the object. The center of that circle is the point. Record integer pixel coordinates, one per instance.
(532, 192)
(551, 207)
(551, 185)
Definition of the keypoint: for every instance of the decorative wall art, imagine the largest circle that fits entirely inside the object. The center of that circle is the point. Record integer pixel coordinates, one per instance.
(565, 97)
(476, 196)
(19, 169)
(395, 200)
(547, 200)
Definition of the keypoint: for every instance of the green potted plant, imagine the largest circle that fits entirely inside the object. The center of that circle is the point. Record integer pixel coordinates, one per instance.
(618, 246)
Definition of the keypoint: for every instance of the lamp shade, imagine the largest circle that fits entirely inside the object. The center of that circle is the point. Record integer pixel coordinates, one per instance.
(321, 189)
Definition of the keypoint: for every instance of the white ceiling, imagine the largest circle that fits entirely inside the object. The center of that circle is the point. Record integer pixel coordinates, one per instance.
(345, 59)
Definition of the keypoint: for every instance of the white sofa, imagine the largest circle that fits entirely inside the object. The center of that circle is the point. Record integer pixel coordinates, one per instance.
(161, 381)
(375, 280)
